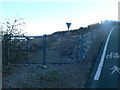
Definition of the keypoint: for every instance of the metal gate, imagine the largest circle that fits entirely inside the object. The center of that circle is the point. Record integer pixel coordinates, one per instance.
(43, 49)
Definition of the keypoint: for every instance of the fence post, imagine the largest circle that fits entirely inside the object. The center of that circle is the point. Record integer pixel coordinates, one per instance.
(98, 33)
(44, 50)
(81, 48)
(92, 37)
(9, 48)
(79, 45)
(5, 46)
(27, 51)
(61, 50)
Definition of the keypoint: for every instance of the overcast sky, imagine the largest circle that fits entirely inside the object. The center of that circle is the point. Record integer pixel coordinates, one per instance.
(48, 16)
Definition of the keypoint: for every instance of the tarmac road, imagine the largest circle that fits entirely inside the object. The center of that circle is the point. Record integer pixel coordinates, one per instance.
(106, 71)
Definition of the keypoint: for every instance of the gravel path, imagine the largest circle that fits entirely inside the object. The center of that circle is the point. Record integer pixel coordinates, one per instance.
(53, 76)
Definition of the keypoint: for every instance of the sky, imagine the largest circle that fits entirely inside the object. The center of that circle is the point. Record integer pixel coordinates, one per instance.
(48, 16)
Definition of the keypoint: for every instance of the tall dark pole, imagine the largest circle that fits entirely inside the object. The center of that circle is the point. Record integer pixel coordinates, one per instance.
(44, 51)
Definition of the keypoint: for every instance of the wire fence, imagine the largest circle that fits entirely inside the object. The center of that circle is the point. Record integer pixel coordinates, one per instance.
(43, 49)
(49, 49)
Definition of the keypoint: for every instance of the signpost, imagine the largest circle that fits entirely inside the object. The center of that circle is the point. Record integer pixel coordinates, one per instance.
(68, 26)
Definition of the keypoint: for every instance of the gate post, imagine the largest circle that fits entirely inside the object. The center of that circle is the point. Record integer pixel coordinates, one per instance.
(44, 50)
(81, 48)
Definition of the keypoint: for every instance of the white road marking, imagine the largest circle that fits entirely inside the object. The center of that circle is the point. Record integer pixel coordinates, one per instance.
(115, 68)
(98, 72)
(113, 55)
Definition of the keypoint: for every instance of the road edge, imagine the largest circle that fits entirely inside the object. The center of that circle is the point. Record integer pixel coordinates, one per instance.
(94, 68)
